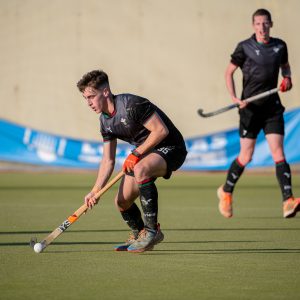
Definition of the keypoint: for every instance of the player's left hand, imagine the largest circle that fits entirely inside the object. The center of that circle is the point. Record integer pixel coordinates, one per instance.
(286, 84)
(90, 200)
(130, 162)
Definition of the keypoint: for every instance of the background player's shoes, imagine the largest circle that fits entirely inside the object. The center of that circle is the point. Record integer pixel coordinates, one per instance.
(147, 239)
(290, 207)
(131, 239)
(225, 202)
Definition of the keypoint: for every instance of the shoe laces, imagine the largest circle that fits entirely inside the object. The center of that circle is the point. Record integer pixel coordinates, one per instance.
(130, 238)
(142, 234)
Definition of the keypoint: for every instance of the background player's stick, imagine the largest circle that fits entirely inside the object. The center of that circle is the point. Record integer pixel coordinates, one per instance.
(229, 107)
(71, 219)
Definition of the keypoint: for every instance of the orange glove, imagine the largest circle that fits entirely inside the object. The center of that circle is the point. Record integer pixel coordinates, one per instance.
(286, 84)
(131, 160)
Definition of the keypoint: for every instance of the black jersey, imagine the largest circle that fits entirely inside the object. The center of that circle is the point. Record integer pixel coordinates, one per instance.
(128, 119)
(260, 65)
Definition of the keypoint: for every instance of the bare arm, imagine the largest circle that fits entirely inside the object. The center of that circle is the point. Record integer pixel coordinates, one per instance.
(158, 131)
(105, 170)
(286, 70)
(107, 165)
(229, 79)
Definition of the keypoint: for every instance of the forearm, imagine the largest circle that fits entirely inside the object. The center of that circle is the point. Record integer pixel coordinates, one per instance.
(154, 138)
(230, 86)
(286, 70)
(105, 170)
(229, 80)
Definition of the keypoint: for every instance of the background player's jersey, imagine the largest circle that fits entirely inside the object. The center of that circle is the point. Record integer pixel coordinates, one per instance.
(260, 64)
(126, 122)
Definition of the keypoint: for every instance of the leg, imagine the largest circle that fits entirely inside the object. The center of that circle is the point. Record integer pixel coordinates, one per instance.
(146, 171)
(234, 173)
(127, 193)
(124, 201)
(283, 174)
(238, 165)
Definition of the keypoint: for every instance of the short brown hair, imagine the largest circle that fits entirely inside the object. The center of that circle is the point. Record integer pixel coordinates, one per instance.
(262, 12)
(95, 79)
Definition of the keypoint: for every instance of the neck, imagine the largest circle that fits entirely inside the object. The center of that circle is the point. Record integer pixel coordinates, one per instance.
(110, 106)
(264, 40)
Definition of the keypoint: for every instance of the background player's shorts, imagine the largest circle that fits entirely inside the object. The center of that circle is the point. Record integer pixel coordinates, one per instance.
(174, 157)
(251, 124)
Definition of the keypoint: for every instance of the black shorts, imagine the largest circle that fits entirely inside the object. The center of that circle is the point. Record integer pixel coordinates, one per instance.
(252, 123)
(174, 157)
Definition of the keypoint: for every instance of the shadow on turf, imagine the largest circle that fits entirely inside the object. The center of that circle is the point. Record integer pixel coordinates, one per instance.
(176, 186)
(126, 230)
(12, 244)
(170, 251)
(223, 251)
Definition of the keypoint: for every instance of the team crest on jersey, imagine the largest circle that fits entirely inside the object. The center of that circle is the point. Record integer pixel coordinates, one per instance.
(124, 121)
(276, 49)
(257, 52)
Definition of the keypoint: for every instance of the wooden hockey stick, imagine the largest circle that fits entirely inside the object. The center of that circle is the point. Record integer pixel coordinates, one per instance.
(73, 218)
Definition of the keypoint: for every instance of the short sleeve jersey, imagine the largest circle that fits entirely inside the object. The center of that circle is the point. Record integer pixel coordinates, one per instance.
(127, 122)
(260, 65)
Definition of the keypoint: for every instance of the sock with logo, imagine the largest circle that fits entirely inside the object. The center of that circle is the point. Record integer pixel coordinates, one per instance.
(284, 177)
(234, 173)
(149, 202)
(132, 216)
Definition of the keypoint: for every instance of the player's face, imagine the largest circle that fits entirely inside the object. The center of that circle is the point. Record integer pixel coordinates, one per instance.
(94, 99)
(262, 26)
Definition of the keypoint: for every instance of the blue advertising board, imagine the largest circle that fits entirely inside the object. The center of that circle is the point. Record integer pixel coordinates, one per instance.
(208, 152)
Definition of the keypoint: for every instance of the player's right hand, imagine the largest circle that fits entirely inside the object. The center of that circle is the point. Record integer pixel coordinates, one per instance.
(90, 200)
(130, 162)
(242, 104)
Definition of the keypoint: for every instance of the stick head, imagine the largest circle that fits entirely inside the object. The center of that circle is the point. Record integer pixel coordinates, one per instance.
(32, 242)
(201, 113)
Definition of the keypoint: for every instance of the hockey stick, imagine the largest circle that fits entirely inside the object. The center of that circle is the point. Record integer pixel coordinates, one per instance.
(229, 107)
(39, 247)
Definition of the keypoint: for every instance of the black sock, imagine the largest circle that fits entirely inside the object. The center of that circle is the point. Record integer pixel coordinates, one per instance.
(234, 173)
(132, 216)
(284, 177)
(149, 202)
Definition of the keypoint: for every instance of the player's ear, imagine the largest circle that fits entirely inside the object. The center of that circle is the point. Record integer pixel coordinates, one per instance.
(106, 91)
(271, 24)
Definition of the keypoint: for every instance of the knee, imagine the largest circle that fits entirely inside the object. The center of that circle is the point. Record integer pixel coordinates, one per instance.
(245, 159)
(120, 204)
(140, 172)
(278, 156)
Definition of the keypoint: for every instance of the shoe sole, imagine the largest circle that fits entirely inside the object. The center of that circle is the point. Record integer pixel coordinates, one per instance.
(149, 247)
(293, 213)
(123, 248)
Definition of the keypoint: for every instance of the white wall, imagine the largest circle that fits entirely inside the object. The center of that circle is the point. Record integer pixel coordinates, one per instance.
(173, 52)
